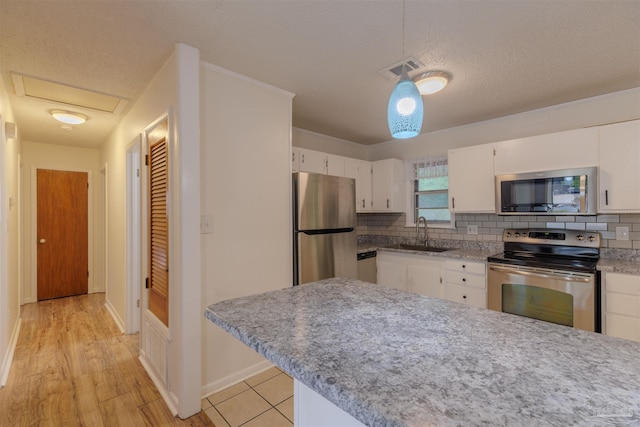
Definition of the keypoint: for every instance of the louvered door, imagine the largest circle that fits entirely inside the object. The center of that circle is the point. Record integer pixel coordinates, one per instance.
(158, 230)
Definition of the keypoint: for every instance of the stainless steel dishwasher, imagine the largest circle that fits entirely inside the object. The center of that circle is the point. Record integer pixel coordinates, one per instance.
(367, 271)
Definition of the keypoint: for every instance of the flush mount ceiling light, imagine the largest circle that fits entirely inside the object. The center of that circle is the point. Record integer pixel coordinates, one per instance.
(431, 81)
(405, 109)
(68, 117)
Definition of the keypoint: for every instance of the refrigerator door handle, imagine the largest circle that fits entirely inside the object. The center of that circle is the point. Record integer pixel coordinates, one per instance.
(332, 231)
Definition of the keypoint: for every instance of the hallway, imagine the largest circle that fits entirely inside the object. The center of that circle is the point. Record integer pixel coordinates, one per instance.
(73, 367)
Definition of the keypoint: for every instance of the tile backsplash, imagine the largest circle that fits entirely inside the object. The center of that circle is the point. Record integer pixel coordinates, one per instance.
(491, 226)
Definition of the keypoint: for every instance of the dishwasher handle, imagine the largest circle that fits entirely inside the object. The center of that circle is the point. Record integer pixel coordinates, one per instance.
(366, 255)
(543, 273)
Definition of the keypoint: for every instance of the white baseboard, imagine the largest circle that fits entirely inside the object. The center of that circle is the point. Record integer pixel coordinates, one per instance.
(236, 377)
(8, 359)
(167, 396)
(114, 314)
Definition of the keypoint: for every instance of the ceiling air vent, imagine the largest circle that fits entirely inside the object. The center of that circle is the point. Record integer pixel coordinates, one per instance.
(393, 72)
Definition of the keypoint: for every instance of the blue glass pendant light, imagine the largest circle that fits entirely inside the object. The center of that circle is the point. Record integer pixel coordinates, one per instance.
(405, 110)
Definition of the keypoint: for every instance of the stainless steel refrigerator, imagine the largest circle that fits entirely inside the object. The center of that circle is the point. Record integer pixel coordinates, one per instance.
(324, 227)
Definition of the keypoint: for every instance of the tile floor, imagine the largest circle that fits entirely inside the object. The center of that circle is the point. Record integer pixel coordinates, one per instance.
(264, 400)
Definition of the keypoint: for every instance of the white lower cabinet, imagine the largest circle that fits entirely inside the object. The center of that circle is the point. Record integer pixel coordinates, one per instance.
(621, 306)
(465, 282)
(423, 277)
(410, 272)
(392, 271)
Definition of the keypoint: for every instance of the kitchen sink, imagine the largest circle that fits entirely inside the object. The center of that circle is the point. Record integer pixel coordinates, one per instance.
(407, 247)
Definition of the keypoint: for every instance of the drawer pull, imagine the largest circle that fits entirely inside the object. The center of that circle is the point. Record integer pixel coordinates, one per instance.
(464, 297)
(464, 279)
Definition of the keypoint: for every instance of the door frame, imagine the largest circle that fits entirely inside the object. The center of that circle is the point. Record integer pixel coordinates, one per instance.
(34, 229)
(134, 235)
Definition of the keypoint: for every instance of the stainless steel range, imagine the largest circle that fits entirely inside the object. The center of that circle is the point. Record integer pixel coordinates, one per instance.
(548, 275)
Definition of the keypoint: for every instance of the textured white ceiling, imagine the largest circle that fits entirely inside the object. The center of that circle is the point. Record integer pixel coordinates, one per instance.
(505, 56)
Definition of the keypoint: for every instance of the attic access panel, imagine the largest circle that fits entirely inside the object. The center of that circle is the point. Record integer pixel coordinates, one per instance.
(57, 92)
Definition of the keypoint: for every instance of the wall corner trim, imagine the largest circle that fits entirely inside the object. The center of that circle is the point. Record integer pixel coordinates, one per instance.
(8, 359)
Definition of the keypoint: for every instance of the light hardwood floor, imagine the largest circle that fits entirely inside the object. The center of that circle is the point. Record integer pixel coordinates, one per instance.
(73, 367)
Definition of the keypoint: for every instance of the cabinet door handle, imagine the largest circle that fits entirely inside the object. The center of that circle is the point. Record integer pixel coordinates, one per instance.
(464, 279)
(303, 158)
(464, 297)
(453, 203)
(388, 204)
(606, 197)
(363, 203)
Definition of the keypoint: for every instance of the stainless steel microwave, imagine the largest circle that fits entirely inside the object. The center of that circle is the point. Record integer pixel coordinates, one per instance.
(558, 192)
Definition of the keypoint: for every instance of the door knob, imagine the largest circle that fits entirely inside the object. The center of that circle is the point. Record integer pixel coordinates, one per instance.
(43, 241)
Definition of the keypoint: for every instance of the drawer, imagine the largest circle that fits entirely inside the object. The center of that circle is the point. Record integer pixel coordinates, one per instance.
(623, 283)
(623, 327)
(465, 266)
(466, 295)
(465, 279)
(623, 304)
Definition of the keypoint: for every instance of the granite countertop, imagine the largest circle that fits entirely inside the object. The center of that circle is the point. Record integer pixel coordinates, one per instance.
(619, 266)
(611, 265)
(469, 254)
(393, 358)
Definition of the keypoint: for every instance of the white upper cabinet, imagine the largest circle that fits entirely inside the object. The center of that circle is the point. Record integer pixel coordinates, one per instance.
(472, 179)
(619, 171)
(319, 162)
(335, 165)
(313, 161)
(295, 159)
(388, 185)
(360, 170)
(562, 150)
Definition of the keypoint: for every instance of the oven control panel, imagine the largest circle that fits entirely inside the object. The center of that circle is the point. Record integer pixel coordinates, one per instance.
(588, 239)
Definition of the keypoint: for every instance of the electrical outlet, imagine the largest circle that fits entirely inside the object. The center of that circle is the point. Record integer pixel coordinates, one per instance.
(206, 224)
(622, 233)
(472, 229)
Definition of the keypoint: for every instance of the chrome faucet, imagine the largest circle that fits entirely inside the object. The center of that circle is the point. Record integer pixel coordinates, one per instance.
(424, 220)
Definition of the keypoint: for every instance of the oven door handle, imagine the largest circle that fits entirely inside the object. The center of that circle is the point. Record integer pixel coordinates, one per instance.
(548, 274)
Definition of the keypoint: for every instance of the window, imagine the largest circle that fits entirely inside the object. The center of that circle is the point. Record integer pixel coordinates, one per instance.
(430, 191)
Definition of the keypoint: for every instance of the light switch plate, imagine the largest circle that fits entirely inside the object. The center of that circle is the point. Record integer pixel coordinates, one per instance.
(622, 233)
(472, 229)
(206, 224)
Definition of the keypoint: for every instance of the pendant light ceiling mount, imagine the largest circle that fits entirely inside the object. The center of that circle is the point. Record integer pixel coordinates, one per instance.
(405, 110)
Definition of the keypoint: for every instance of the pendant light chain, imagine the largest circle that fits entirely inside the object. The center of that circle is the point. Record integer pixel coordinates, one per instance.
(403, 39)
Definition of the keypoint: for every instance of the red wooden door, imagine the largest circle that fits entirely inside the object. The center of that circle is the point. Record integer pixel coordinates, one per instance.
(62, 235)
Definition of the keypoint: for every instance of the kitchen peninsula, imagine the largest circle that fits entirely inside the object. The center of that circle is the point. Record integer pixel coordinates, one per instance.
(393, 358)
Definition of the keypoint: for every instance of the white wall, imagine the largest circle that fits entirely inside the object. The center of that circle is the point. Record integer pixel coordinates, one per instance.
(246, 190)
(315, 141)
(9, 238)
(610, 108)
(37, 155)
(174, 91)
